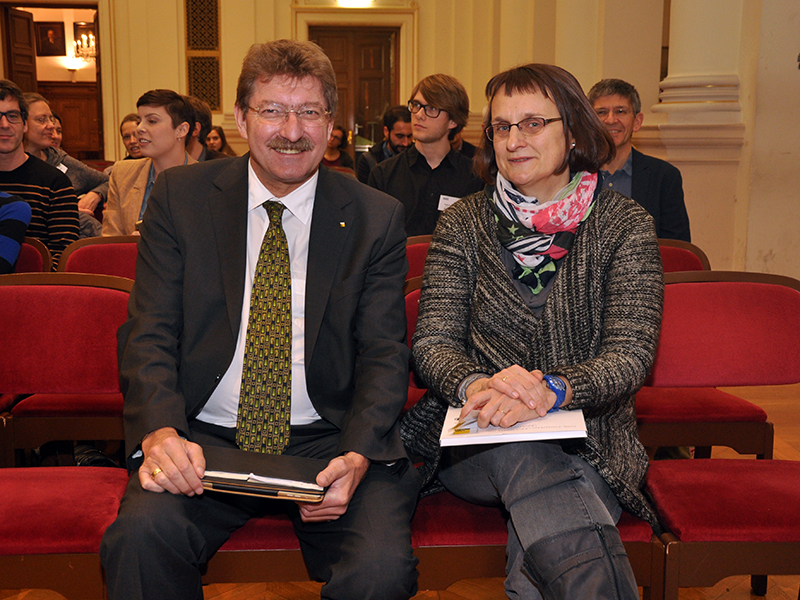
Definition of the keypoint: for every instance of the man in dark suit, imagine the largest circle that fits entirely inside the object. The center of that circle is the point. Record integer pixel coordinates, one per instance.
(183, 349)
(652, 182)
(196, 145)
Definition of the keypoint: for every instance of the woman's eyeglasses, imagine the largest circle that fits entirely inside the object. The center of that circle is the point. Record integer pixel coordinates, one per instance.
(528, 127)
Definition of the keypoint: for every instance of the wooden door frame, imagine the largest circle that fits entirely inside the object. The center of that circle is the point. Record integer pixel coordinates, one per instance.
(102, 40)
(406, 19)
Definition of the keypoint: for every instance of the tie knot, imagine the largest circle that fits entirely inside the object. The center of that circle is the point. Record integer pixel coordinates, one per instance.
(274, 212)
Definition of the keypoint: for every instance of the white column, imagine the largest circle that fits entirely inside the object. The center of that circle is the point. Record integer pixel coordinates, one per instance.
(703, 84)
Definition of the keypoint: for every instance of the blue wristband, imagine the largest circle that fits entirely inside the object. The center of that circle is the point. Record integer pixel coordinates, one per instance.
(559, 388)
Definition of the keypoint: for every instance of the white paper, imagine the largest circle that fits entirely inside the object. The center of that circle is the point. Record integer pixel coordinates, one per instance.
(561, 424)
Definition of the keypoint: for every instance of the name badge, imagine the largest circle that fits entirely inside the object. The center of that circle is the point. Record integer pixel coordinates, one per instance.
(446, 201)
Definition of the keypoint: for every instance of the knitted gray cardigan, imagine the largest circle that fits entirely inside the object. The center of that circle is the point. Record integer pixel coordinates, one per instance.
(599, 329)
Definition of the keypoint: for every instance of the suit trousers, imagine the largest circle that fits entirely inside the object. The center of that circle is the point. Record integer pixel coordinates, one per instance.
(550, 496)
(160, 542)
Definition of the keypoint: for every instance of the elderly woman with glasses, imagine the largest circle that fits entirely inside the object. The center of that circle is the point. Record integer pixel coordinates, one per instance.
(542, 292)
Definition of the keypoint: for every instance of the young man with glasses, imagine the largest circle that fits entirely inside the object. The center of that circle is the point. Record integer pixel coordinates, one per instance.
(652, 182)
(54, 207)
(430, 176)
(336, 252)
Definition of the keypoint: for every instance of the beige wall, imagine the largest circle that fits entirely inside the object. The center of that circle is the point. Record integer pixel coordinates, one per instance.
(740, 174)
(773, 241)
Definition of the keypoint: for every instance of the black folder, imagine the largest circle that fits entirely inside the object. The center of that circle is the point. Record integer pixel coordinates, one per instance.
(264, 475)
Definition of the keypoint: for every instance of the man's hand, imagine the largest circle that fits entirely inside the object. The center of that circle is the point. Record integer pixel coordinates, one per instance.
(341, 477)
(171, 463)
(88, 202)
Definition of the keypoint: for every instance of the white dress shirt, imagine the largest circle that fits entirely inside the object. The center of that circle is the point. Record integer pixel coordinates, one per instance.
(222, 407)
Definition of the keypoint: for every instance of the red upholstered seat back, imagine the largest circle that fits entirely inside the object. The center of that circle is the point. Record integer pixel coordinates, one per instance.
(728, 332)
(34, 257)
(412, 312)
(103, 259)
(679, 259)
(60, 338)
(416, 254)
(29, 260)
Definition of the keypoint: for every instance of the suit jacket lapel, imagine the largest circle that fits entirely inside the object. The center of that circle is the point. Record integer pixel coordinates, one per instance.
(228, 208)
(331, 224)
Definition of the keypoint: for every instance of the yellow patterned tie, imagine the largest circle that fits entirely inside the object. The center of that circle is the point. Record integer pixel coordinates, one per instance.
(264, 403)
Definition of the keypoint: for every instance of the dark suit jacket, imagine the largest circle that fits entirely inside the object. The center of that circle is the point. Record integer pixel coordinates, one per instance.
(186, 305)
(658, 187)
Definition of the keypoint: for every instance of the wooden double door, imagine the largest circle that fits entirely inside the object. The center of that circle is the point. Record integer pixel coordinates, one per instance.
(366, 63)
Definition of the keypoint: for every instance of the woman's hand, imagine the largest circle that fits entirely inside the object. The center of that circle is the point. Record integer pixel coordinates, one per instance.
(511, 396)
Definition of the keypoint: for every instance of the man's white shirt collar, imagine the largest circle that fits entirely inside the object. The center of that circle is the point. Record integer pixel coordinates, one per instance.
(300, 202)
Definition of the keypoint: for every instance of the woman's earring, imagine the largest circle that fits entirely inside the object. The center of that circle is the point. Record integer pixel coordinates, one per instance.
(573, 144)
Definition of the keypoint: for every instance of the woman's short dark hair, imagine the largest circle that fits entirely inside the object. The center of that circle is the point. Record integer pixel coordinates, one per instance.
(286, 57)
(179, 110)
(343, 144)
(594, 146)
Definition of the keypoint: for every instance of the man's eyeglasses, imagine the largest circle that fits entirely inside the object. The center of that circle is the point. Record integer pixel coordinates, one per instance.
(430, 111)
(14, 117)
(528, 127)
(276, 114)
(620, 111)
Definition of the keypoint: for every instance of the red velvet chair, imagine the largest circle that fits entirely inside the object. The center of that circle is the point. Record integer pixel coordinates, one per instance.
(115, 255)
(677, 255)
(412, 290)
(58, 359)
(51, 522)
(720, 328)
(727, 517)
(34, 257)
(416, 252)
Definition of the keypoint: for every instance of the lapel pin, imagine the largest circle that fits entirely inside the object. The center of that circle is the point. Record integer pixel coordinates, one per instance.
(341, 223)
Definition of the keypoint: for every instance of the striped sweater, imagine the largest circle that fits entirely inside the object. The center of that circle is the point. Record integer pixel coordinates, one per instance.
(599, 329)
(54, 207)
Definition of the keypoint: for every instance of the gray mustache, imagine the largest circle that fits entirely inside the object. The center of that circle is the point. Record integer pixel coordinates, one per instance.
(301, 145)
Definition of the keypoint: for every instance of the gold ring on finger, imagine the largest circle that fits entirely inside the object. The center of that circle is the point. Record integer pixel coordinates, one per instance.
(156, 471)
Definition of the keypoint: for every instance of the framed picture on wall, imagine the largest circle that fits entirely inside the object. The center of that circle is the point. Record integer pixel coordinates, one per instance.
(50, 38)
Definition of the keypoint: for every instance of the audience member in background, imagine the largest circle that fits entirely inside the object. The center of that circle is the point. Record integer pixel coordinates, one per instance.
(165, 122)
(130, 139)
(15, 215)
(196, 146)
(54, 207)
(57, 131)
(652, 182)
(459, 144)
(90, 185)
(335, 156)
(430, 176)
(396, 138)
(542, 291)
(216, 141)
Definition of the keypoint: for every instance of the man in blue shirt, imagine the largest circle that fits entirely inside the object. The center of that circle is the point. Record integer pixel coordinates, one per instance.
(652, 182)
